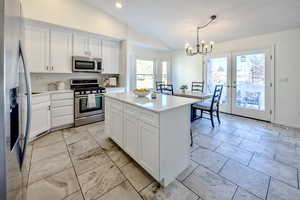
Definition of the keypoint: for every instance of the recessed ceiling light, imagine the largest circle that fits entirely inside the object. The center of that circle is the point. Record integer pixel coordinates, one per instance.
(118, 5)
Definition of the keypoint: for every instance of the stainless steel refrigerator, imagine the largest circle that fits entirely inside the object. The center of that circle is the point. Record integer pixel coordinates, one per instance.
(15, 103)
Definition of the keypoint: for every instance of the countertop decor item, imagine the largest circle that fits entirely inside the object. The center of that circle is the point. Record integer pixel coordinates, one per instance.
(184, 88)
(141, 92)
(61, 85)
(202, 48)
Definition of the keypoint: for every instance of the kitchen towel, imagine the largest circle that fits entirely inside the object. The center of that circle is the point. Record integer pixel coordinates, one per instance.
(91, 101)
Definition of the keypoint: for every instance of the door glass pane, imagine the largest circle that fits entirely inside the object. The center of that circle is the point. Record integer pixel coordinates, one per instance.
(164, 71)
(216, 75)
(144, 74)
(250, 81)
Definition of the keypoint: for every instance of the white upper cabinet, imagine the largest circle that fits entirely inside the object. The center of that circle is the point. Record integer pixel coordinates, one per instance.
(37, 48)
(95, 47)
(81, 44)
(48, 49)
(111, 57)
(87, 45)
(61, 51)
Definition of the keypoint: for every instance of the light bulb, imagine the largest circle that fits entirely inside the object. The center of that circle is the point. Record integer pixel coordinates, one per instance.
(202, 42)
(187, 45)
(118, 5)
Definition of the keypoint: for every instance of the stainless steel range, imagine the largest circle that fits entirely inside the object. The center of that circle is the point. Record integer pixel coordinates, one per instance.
(89, 101)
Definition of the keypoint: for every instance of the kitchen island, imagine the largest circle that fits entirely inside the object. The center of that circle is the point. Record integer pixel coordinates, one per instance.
(154, 132)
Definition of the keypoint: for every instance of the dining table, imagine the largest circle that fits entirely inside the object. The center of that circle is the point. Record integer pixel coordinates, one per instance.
(193, 94)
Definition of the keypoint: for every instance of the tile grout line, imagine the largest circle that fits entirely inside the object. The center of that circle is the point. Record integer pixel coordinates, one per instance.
(268, 188)
(253, 153)
(298, 178)
(126, 179)
(189, 173)
(191, 189)
(29, 170)
(73, 166)
(232, 198)
(219, 171)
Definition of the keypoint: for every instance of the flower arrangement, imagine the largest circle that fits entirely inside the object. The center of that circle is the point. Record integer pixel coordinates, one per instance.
(184, 87)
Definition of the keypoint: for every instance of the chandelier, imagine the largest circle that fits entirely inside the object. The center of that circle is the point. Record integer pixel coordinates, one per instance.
(203, 48)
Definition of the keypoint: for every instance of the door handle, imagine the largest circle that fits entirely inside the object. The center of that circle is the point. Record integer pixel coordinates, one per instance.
(29, 99)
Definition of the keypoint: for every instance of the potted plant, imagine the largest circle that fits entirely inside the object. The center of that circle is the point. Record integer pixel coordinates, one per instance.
(184, 88)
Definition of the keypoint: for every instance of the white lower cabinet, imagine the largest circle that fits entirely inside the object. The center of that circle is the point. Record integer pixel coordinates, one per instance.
(62, 109)
(116, 127)
(51, 111)
(158, 141)
(148, 148)
(126, 126)
(131, 135)
(40, 115)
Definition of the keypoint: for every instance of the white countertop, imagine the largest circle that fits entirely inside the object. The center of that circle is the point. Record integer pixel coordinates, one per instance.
(160, 104)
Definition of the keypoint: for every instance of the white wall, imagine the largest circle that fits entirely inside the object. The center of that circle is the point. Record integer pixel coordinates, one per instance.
(287, 70)
(79, 15)
(136, 51)
(186, 69)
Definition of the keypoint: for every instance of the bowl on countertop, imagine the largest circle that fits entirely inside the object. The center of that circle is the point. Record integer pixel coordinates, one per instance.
(141, 93)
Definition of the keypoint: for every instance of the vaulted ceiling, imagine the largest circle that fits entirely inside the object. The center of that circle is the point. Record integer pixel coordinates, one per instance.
(174, 22)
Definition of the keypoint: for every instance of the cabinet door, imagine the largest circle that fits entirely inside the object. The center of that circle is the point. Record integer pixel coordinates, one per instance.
(81, 44)
(149, 148)
(106, 56)
(131, 135)
(40, 119)
(95, 47)
(61, 51)
(37, 48)
(111, 57)
(115, 63)
(116, 126)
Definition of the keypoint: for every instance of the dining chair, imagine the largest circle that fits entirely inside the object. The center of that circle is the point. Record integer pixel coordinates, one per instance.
(210, 107)
(158, 85)
(167, 89)
(197, 86)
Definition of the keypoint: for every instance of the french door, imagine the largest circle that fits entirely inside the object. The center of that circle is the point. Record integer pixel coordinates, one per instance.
(246, 77)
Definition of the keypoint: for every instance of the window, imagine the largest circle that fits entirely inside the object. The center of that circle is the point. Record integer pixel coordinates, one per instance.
(164, 72)
(144, 74)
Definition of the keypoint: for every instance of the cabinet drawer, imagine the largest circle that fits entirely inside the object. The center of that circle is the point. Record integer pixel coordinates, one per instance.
(150, 118)
(116, 105)
(64, 102)
(59, 96)
(132, 110)
(62, 120)
(40, 99)
(61, 111)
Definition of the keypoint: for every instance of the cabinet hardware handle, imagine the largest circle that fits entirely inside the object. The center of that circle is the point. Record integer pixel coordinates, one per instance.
(47, 67)
(49, 107)
(52, 68)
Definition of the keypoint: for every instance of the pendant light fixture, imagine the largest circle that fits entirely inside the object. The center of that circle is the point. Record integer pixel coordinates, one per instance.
(201, 48)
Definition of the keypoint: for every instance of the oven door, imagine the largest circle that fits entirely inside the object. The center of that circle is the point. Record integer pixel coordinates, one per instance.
(83, 64)
(83, 110)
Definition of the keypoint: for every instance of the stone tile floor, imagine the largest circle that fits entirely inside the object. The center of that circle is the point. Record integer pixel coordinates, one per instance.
(241, 159)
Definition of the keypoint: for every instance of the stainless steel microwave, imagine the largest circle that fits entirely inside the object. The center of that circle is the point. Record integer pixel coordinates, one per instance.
(87, 64)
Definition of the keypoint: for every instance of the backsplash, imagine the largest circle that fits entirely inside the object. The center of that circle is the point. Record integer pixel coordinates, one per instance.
(41, 81)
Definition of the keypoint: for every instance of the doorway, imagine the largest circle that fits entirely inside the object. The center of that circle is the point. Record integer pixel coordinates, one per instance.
(246, 77)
